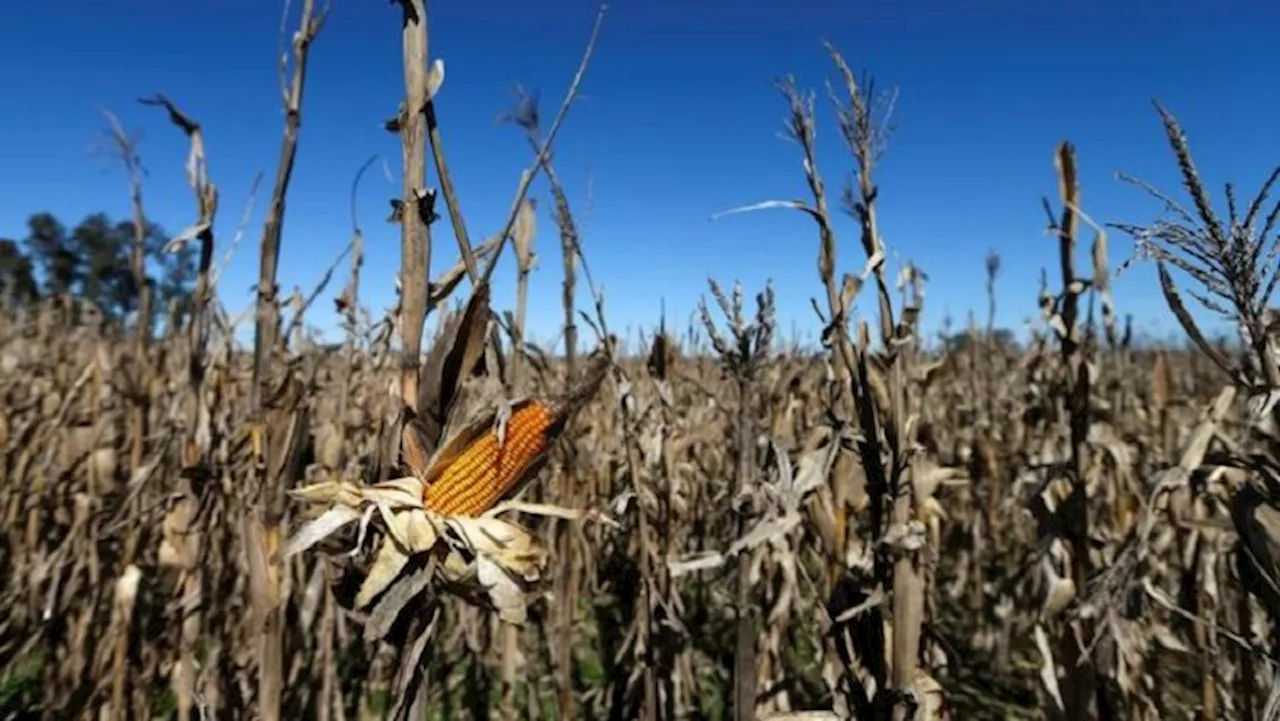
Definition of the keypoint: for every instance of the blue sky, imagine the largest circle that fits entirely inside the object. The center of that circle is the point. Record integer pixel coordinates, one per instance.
(678, 120)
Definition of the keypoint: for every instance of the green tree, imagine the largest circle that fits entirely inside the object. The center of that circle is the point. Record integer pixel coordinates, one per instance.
(93, 262)
(103, 254)
(1001, 337)
(17, 276)
(50, 250)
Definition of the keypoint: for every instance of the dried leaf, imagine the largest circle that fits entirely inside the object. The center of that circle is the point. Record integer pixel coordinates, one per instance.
(386, 567)
(1161, 383)
(415, 445)
(453, 357)
(319, 529)
(1048, 669)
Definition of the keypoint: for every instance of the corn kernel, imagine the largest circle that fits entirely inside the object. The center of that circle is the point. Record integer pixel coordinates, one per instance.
(484, 473)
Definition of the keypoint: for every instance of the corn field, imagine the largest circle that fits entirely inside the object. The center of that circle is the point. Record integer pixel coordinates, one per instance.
(706, 523)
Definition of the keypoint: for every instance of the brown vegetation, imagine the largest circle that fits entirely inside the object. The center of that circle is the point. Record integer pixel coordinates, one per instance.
(882, 528)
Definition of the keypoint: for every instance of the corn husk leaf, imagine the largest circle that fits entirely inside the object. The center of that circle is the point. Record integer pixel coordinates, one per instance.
(386, 567)
(487, 561)
(453, 358)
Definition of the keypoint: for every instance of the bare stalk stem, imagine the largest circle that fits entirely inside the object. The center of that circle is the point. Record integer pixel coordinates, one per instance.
(199, 440)
(416, 209)
(263, 529)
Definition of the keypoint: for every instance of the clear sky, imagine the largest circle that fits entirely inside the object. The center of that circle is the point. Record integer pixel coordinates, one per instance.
(678, 120)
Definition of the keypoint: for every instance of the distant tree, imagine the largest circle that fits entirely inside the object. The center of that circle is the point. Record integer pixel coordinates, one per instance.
(104, 256)
(17, 277)
(1002, 337)
(93, 262)
(50, 250)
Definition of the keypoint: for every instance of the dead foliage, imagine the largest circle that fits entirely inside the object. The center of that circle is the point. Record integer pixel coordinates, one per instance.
(710, 524)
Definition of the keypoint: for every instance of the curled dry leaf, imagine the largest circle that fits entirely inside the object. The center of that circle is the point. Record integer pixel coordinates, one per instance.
(931, 698)
(1048, 670)
(435, 78)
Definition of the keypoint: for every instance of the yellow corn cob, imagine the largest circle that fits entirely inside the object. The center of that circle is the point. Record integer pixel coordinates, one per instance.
(475, 481)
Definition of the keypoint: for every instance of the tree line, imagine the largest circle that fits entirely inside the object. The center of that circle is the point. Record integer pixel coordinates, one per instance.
(92, 261)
